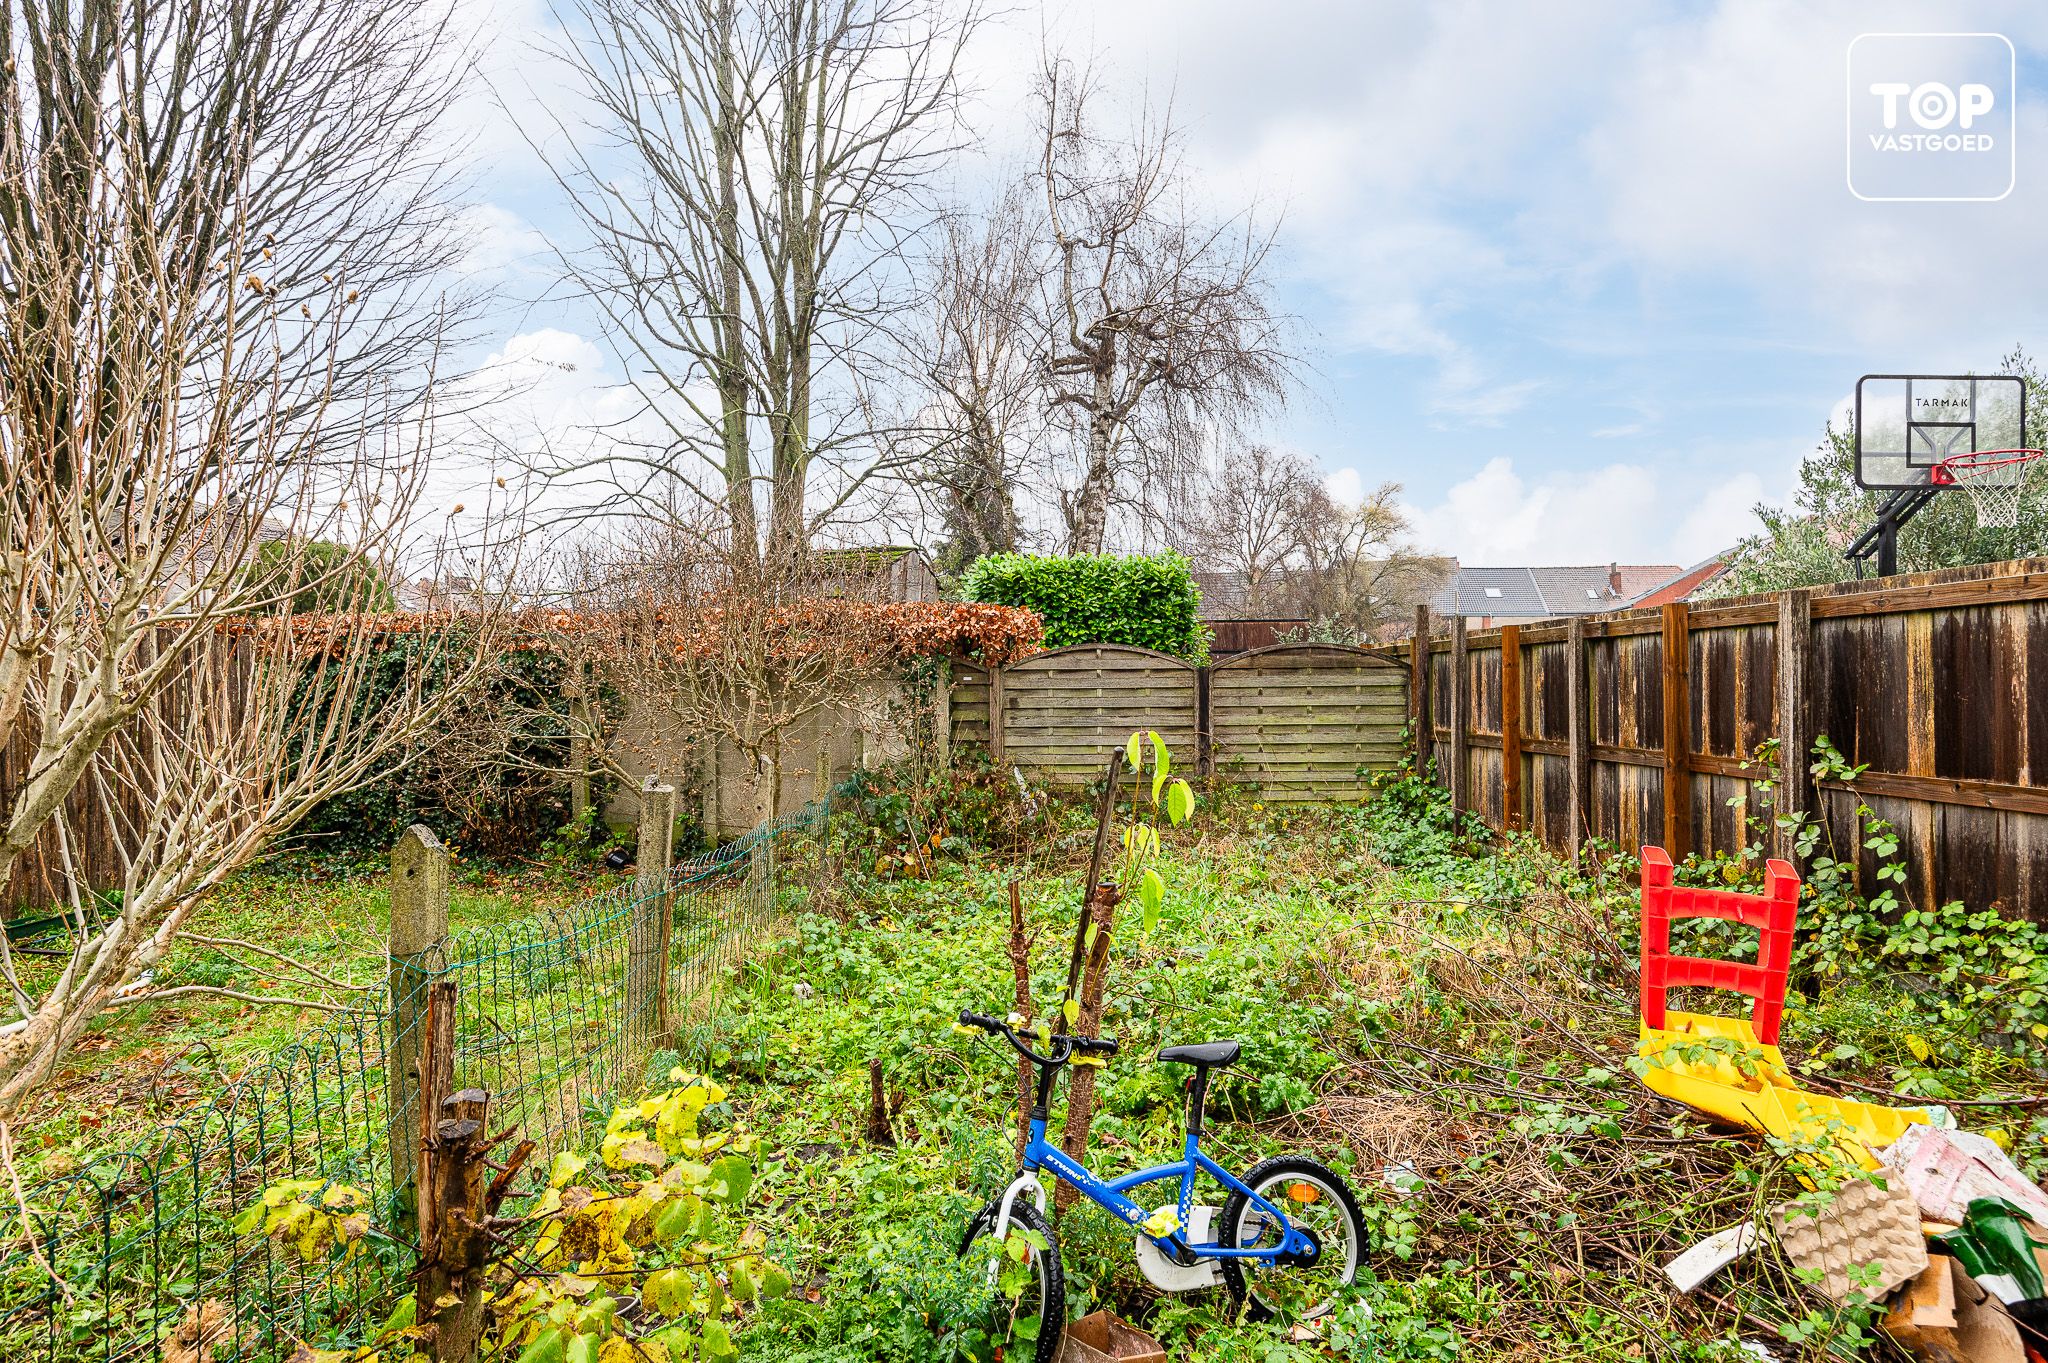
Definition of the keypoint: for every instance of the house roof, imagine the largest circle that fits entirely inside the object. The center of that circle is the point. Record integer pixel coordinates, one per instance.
(1572, 590)
(1682, 587)
(862, 556)
(1223, 592)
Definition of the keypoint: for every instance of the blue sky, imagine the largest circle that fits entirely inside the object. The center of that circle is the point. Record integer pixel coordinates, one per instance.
(1587, 279)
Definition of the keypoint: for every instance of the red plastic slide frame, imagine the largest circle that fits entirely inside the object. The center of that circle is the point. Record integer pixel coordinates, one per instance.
(1773, 913)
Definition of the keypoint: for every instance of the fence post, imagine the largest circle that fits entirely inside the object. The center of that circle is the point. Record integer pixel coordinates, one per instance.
(1578, 735)
(1795, 795)
(1461, 710)
(654, 906)
(1205, 737)
(1510, 727)
(1677, 730)
(419, 932)
(995, 715)
(1418, 689)
(942, 714)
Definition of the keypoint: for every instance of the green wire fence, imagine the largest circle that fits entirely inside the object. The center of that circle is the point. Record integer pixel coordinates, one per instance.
(556, 1017)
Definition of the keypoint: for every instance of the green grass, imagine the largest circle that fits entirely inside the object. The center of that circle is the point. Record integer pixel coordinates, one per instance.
(139, 1066)
(1407, 993)
(1471, 1015)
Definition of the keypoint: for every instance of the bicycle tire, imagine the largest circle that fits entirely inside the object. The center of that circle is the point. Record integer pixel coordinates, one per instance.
(1271, 1172)
(1051, 1278)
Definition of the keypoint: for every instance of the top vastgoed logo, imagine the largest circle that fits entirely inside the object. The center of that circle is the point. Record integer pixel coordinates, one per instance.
(1931, 116)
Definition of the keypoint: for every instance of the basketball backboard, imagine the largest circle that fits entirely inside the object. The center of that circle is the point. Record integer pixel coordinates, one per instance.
(1908, 423)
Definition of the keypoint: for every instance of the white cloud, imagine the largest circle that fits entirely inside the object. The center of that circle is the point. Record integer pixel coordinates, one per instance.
(1722, 161)
(499, 242)
(1624, 512)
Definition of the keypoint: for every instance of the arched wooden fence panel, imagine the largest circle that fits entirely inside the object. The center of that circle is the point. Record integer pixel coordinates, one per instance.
(1058, 715)
(1307, 721)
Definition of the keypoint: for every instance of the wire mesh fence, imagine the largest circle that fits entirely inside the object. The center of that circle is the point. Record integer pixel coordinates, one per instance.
(557, 1017)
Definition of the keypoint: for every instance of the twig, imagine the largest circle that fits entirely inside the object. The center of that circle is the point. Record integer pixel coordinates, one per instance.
(158, 995)
(1922, 1100)
(28, 1233)
(222, 943)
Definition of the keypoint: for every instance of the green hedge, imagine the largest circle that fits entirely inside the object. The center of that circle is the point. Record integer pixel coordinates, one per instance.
(1150, 601)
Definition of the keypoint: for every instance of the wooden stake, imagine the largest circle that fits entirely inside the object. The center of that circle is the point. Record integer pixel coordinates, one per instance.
(1105, 810)
(1020, 1002)
(653, 913)
(1081, 1084)
(419, 930)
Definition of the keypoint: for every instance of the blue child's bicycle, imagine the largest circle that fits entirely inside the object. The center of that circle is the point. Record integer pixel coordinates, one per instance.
(1288, 1237)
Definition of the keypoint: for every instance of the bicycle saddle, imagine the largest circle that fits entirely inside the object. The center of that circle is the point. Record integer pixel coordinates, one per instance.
(1203, 1053)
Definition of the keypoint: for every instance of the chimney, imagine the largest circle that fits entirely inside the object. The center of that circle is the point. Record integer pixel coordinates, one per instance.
(1614, 578)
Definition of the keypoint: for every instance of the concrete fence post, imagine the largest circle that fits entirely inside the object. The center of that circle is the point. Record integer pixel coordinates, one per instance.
(418, 936)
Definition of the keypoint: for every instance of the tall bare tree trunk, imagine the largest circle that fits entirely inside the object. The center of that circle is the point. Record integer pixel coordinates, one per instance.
(1091, 505)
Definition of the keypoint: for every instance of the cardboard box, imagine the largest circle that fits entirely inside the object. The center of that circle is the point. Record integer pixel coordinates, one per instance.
(1101, 1338)
(1946, 1316)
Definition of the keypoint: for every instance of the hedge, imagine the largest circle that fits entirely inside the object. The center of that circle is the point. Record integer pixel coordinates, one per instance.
(1150, 601)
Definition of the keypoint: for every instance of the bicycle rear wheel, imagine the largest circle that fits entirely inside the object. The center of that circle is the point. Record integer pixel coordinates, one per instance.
(1027, 1309)
(1315, 1199)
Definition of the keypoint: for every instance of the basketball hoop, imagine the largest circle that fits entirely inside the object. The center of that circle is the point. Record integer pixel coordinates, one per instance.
(1997, 481)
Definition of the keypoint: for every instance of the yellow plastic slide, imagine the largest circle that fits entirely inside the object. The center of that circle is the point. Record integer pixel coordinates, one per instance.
(1718, 1066)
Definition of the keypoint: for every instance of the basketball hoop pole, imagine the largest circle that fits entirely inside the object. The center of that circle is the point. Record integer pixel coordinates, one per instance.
(1881, 540)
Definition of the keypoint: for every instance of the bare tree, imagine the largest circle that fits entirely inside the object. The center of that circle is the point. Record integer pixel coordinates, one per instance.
(971, 367)
(1159, 325)
(1359, 572)
(164, 413)
(744, 264)
(1249, 520)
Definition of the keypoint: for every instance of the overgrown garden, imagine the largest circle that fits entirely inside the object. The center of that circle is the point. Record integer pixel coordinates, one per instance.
(1446, 1016)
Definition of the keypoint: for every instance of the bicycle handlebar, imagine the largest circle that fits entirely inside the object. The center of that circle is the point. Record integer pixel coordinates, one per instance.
(1064, 1047)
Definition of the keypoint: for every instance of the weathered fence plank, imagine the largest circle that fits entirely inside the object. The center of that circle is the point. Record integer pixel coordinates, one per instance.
(1307, 721)
(1461, 716)
(1578, 738)
(1930, 682)
(1056, 713)
(1676, 672)
(1511, 727)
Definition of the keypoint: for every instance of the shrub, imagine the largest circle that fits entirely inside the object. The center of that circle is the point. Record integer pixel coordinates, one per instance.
(491, 778)
(1150, 601)
(324, 576)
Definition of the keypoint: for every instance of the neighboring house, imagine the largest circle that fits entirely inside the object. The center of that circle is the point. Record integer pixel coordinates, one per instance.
(1229, 609)
(1687, 585)
(890, 572)
(1516, 596)
(450, 592)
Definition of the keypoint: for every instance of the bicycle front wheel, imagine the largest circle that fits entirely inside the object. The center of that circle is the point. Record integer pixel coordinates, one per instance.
(1316, 1200)
(1027, 1306)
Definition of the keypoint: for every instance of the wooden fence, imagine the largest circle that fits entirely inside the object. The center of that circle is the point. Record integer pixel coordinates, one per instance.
(1938, 681)
(1302, 721)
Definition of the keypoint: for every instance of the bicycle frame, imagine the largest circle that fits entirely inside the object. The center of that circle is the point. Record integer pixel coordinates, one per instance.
(1109, 1195)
